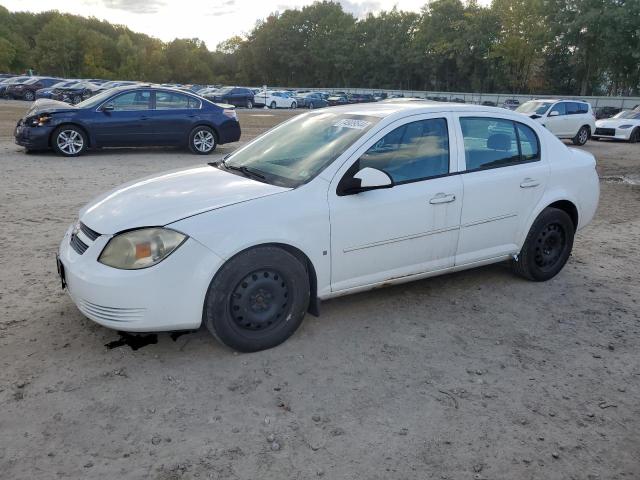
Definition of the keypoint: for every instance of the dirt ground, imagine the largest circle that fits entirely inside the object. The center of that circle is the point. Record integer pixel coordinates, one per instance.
(473, 375)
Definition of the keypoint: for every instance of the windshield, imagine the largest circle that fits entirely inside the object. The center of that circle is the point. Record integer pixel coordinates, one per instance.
(628, 114)
(95, 100)
(31, 81)
(15, 80)
(296, 151)
(225, 90)
(539, 108)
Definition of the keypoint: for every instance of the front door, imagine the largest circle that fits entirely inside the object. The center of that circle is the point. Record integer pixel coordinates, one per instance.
(124, 120)
(504, 180)
(411, 228)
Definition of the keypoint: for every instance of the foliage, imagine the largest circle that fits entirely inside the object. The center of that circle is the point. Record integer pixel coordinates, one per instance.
(529, 46)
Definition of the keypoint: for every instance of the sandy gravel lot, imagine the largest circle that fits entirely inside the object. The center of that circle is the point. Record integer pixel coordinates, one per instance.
(473, 375)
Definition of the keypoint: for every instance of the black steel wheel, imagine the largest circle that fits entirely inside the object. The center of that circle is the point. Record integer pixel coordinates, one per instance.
(547, 246)
(260, 299)
(257, 299)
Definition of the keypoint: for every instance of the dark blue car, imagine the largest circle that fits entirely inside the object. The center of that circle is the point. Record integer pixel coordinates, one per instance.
(128, 117)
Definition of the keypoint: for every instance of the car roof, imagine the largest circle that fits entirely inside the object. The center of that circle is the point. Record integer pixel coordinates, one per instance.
(414, 106)
(557, 100)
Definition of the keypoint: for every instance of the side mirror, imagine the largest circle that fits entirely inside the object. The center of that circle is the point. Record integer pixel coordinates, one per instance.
(555, 113)
(365, 179)
(108, 107)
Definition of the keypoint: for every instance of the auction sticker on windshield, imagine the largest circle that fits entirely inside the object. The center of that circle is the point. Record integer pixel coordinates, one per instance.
(351, 123)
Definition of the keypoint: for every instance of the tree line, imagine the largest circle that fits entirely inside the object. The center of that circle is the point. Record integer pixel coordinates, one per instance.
(579, 47)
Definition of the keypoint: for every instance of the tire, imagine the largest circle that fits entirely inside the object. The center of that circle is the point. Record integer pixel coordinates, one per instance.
(29, 96)
(69, 141)
(547, 246)
(249, 104)
(76, 99)
(294, 105)
(582, 136)
(202, 140)
(635, 136)
(310, 105)
(257, 299)
(273, 105)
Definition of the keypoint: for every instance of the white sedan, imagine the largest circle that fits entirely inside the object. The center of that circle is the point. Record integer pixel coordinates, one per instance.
(273, 99)
(623, 126)
(329, 203)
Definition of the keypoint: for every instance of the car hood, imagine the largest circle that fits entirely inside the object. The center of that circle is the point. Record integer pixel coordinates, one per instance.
(44, 105)
(171, 196)
(616, 122)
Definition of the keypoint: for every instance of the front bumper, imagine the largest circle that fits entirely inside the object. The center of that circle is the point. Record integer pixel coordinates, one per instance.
(617, 133)
(167, 296)
(32, 137)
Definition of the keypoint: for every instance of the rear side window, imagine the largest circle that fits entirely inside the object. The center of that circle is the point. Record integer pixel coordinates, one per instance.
(493, 142)
(573, 108)
(415, 151)
(171, 101)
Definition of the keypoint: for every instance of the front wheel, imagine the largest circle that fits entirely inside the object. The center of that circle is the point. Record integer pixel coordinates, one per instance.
(76, 99)
(547, 246)
(273, 105)
(202, 140)
(257, 299)
(249, 104)
(294, 105)
(635, 136)
(310, 105)
(29, 96)
(582, 136)
(69, 141)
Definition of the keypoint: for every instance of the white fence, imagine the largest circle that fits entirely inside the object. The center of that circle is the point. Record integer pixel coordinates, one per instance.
(495, 98)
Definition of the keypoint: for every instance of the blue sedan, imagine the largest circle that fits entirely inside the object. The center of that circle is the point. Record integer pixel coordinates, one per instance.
(128, 117)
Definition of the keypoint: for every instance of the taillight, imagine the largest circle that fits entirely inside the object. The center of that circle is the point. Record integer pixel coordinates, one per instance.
(230, 112)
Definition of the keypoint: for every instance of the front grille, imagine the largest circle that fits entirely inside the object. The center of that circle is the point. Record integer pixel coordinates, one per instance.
(91, 234)
(78, 245)
(606, 131)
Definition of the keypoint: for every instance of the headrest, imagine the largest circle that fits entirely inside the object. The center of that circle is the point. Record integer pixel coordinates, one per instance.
(499, 141)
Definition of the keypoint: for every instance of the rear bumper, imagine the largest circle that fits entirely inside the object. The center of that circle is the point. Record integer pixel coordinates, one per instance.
(229, 132)
(32, 137)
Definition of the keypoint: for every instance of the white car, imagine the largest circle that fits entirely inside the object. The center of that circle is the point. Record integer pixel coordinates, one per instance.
(572, 119)
(275, 99)
(622, 126)
(329, 203)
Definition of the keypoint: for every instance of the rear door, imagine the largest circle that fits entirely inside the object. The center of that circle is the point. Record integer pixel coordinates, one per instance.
(504, 177)
(124, 121)
(172, 117)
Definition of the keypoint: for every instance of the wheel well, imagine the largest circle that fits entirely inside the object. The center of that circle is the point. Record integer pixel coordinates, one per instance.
(84, 130)
(569, 208)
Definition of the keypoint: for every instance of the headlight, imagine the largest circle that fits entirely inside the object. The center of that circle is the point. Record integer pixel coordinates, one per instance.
(624, 127)
(38, 120)
(140, 248)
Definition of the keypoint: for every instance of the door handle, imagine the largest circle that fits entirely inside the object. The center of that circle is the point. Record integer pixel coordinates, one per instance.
(529, 183)
(442, 198)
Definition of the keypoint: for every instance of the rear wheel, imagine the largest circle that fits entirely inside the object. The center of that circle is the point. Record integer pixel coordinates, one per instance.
(76, 99)
(257, 299)
(249, 104)
(29, 96)
(69, 140)
(635, 136)
(294, 105)
(582, 136)
(547, 246)
(202, 140)
(310, 105)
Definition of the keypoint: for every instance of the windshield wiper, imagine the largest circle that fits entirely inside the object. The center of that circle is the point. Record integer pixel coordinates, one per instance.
(248, 172)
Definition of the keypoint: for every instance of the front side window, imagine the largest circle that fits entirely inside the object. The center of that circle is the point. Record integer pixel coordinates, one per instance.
(138, 100)
(414, 151)
(296, 151)
(494, 142)
(173, 101)
(572, 108)
(560, 108)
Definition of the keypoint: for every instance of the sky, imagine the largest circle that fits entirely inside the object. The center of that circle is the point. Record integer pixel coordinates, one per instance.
(210, 20)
